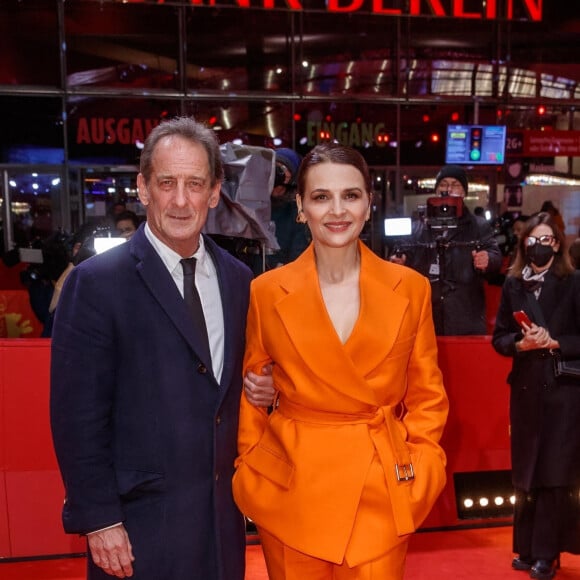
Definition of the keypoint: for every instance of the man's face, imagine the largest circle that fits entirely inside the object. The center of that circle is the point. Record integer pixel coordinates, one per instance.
(179, 193)
(450, 186)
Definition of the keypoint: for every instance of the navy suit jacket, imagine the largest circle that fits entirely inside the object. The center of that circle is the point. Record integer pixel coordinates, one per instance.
(143, 432)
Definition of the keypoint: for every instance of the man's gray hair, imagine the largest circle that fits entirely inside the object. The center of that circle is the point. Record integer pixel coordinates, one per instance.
(187, 128)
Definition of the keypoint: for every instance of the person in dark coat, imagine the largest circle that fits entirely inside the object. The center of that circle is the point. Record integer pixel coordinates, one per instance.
(544, 409)
(455, 256)
(292, 237)
(144, 425)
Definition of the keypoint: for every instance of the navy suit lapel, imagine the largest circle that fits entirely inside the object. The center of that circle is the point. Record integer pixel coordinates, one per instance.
(158, 280)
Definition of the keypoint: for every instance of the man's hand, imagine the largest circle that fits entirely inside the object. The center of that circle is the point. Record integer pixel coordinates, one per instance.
(111, 550)
(480, 260)
(259, 389)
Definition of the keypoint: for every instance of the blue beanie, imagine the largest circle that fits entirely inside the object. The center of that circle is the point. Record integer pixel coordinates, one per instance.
(290, 159)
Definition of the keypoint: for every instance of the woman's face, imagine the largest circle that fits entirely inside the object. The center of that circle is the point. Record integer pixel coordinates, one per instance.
(335, 204)
(541, 235)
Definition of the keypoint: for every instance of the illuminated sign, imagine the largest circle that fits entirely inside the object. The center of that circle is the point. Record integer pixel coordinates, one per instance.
(111, 131)
(475, 144)
(543, 144)
(350, 134)
(490, 10)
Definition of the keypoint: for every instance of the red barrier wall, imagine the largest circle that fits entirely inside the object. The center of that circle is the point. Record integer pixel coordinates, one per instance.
(476, 438)
(31, 492)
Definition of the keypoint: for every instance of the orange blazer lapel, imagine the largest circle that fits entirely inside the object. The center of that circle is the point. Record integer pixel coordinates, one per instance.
(310, 328)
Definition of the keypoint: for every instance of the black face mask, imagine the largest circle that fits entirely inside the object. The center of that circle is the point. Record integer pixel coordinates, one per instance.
(539, 255)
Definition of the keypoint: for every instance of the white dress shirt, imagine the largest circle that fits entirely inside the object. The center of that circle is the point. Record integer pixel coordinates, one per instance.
(206, 282)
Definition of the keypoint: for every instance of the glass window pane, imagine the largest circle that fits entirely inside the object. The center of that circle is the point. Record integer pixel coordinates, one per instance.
(253, 53)
(107, 192)
(29, 43)
(129, 46)
(342, 54)
(31, 130)
(34, 195)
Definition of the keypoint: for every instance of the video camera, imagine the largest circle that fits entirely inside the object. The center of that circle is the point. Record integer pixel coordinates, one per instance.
(440, 214)
(443, 212)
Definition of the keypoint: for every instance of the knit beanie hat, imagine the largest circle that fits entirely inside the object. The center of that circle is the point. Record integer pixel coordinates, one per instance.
(290, 159)
(455, 172)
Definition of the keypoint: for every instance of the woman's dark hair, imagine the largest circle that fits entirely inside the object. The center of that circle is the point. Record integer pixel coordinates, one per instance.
(562, 265)
(333, 153)
(187, 128)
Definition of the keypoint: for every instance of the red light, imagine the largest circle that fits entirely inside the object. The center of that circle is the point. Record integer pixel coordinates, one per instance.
(455, 116)
(359, 120)
(381, 138)
(434, 137)
(212, 120)
(297, 117)
(426, 118)
(541, 110)
(328, 118)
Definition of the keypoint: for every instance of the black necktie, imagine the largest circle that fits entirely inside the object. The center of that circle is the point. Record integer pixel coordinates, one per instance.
(193, 302)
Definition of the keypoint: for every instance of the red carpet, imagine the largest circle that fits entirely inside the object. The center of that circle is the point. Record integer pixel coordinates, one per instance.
(483, 554)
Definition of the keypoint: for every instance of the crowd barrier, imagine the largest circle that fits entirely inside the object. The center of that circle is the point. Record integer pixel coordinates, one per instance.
(476, 438)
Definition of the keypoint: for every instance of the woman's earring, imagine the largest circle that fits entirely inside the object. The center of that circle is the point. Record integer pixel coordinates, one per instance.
(300, 219)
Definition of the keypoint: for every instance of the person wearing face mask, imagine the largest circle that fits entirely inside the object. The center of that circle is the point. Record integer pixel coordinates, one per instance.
(456, 260)
(544, 408)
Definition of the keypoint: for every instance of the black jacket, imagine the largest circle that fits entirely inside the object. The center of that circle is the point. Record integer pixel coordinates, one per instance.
(544, 410)
(445, 257)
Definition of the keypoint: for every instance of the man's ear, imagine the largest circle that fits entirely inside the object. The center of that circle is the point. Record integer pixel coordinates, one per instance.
(142, 189)
(214, 196)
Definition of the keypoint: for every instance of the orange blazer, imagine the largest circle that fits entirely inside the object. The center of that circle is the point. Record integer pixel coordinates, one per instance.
(348, 463)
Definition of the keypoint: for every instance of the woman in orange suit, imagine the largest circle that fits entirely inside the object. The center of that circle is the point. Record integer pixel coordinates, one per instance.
(348, 464)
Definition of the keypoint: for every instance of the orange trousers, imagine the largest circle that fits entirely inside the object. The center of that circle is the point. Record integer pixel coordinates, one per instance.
(284, 563)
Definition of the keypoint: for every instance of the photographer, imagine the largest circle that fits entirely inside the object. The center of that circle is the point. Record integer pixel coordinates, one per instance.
(292, 237)
(455, 254)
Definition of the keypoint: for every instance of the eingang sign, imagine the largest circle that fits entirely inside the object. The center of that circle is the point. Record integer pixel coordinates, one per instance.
(464, 9)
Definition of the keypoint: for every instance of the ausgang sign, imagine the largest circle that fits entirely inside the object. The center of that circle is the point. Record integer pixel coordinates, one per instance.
(472, 9)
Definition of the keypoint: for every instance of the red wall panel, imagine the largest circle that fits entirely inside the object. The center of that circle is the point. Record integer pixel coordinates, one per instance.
(476, 438)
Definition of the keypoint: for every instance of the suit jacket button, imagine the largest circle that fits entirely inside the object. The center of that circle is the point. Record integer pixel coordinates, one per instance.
(201, 369)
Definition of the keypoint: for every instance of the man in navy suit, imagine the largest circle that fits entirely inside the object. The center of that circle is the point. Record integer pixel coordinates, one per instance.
(144, 424)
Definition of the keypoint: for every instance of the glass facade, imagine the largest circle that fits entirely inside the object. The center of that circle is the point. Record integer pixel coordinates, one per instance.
(83, 82)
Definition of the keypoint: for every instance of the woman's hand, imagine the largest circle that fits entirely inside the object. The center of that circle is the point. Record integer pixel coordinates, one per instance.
(535, 337)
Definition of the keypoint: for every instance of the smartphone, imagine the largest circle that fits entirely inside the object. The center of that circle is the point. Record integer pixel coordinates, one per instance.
(522, 318)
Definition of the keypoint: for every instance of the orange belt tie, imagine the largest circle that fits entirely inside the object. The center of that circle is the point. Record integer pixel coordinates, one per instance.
(391, 449)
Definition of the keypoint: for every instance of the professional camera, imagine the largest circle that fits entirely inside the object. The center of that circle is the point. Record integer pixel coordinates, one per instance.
(444, 212)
